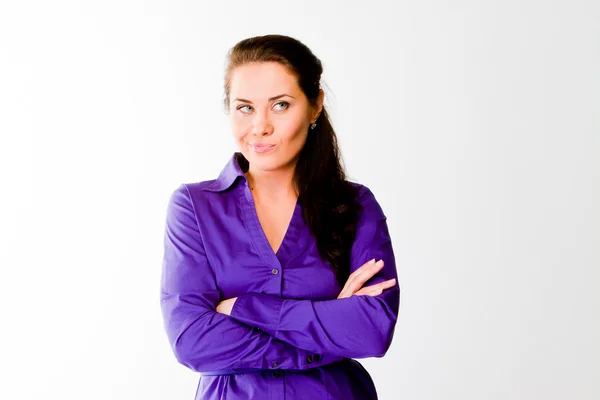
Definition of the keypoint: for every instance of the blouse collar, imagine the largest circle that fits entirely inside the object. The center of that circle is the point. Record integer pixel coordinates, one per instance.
(234, 168)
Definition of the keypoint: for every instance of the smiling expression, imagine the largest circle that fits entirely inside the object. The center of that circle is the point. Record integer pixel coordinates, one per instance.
(270, 114)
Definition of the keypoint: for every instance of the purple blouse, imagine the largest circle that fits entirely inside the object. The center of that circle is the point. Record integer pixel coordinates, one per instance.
(288, 336)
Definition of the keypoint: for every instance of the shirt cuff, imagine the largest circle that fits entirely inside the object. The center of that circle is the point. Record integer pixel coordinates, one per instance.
(259, 310)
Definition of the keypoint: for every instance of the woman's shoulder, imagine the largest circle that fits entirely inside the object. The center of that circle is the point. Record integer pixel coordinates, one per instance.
(193, 188)
(361, 191)
(228, 178)
(365, 197)
(200, 187)
(194, 192)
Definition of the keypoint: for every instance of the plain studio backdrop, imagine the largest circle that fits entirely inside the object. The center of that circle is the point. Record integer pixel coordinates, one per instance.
(475, 123)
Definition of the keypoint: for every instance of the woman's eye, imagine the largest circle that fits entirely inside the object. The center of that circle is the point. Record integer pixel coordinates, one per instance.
(284, 104)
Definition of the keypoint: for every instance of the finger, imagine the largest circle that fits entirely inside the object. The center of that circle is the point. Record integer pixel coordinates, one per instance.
(353, 288)
(345, 294)
(353, 275)
(365, 272)
(384, 285)
(372, 290)
(358, 278)
(362, 268)
(358, 281)
(369, 292)
(377, 289)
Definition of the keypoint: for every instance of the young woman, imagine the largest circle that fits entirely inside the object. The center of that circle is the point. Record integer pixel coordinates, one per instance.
(280, 272)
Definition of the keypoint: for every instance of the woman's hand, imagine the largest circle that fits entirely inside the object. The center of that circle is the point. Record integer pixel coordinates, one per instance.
(226, 306)
(358, 278)
(353, 285)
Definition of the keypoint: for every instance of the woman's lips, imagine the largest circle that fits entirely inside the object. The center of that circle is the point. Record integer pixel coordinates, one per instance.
(261, 147)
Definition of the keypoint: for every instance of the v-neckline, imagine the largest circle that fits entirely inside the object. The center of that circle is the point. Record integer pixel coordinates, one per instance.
(259, 236)
(285, 235)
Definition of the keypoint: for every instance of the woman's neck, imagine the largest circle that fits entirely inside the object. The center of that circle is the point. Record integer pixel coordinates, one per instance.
(272, 185)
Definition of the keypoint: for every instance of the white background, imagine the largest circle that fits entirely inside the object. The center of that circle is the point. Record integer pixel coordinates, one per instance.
(475, 123)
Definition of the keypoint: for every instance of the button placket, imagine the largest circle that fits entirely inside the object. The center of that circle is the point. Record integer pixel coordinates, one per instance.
(259, 239)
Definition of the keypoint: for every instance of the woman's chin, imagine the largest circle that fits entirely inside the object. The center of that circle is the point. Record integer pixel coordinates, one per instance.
(270, 161)
(264, 165)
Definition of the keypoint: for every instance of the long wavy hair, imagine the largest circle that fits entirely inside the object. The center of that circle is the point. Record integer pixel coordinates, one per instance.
(327, 199)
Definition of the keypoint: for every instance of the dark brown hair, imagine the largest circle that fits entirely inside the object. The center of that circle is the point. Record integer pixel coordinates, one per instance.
(328, 200)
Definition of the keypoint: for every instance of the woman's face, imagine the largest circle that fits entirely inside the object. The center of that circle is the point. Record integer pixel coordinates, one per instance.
(270, 115)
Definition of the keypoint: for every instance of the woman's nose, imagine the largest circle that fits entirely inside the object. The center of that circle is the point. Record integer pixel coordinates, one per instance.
(262, 126)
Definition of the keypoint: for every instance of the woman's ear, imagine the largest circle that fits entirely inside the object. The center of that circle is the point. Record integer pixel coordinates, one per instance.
(319, 107)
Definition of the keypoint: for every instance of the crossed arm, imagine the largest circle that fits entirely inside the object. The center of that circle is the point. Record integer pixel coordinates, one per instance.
(360, 323)
(201, 338)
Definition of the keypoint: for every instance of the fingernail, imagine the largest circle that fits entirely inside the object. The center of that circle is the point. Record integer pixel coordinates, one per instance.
(379, 263)
(372, 261)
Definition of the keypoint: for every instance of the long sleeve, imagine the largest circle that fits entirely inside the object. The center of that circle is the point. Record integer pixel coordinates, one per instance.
(356, 327)
(201, 338)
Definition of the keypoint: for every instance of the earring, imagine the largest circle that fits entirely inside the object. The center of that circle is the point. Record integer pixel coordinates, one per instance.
(312, 126)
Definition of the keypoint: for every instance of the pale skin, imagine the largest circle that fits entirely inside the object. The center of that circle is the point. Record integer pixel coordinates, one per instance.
(268, 107)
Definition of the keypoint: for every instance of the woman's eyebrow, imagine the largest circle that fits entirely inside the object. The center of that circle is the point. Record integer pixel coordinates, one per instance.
(271, 99)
